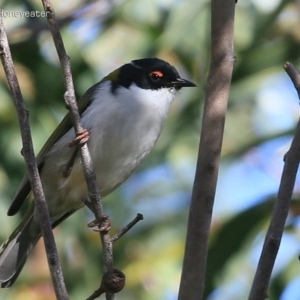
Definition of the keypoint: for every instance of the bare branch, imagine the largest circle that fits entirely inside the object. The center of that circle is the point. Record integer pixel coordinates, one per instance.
(217, 91)
(95, 203)
(70, 99)
(138, 218)
(260, 285)
(41, 208)
(294, 75)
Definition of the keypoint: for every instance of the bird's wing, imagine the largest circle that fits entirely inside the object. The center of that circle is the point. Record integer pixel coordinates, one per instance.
(63, 127)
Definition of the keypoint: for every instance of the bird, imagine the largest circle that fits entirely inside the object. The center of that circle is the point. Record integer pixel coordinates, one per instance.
(123, 116)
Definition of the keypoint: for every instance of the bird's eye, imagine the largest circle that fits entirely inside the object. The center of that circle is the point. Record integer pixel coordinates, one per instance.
(156, 75)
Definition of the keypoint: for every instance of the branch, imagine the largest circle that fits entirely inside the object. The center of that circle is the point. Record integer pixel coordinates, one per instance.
(41, 208)
(138, 218)
(113, 280)
(90, 176)
(281, 208)
(217, 91)
(294, 75)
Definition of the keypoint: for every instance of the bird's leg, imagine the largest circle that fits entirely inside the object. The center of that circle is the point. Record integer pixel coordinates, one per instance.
(67, 169)
(81, 138)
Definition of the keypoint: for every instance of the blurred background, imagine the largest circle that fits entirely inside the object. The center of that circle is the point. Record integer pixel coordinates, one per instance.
(262, 113)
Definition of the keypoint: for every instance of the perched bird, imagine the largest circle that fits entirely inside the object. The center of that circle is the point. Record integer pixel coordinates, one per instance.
(124, 114)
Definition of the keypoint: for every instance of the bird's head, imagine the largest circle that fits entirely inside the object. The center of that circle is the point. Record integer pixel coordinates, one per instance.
(148, 74)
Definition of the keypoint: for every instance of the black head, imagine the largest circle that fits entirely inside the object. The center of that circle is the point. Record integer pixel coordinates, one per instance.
(148, 73)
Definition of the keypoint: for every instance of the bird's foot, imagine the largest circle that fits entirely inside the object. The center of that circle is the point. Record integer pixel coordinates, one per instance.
(81, 138)
(67, 169)
(103, 225)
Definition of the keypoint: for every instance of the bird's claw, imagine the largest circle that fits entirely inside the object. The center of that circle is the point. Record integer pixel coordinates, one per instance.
(81, 138)
(102, 226)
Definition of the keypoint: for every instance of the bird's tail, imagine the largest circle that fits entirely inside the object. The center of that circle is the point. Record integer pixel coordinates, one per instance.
(15, 250)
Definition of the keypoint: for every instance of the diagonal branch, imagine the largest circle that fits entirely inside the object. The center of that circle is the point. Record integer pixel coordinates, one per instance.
(71, 103)
(90, 176)
(41, 208)
(217, 92)
(113, 280)
(271, 245)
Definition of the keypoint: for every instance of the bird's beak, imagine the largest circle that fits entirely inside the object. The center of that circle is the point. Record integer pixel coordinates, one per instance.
(180, 82)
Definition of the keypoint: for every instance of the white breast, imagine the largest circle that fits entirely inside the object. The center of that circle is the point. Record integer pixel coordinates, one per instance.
(126, 127)
(123, 128)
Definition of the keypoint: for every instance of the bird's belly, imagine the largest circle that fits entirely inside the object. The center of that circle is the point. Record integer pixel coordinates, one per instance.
(112, 165)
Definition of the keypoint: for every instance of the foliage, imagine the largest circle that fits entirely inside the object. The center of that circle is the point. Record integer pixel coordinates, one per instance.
(102, 35)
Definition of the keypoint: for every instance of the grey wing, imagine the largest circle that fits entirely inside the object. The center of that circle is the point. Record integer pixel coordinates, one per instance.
(63, 127)
(25, 187)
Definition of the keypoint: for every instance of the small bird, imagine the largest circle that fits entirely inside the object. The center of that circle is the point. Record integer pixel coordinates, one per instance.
(123, 115)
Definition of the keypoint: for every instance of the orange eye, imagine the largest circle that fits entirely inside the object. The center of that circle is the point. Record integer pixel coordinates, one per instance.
(156, 75)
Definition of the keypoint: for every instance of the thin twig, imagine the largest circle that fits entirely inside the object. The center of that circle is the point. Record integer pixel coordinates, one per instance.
(70, 99)
(260, 285)
(41, 208)
(138, 218)
(114, 279)
(217, 92)
(90, 176)
(294, 75)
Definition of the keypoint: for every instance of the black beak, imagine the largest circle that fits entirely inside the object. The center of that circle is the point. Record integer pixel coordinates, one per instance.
(179, 83)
